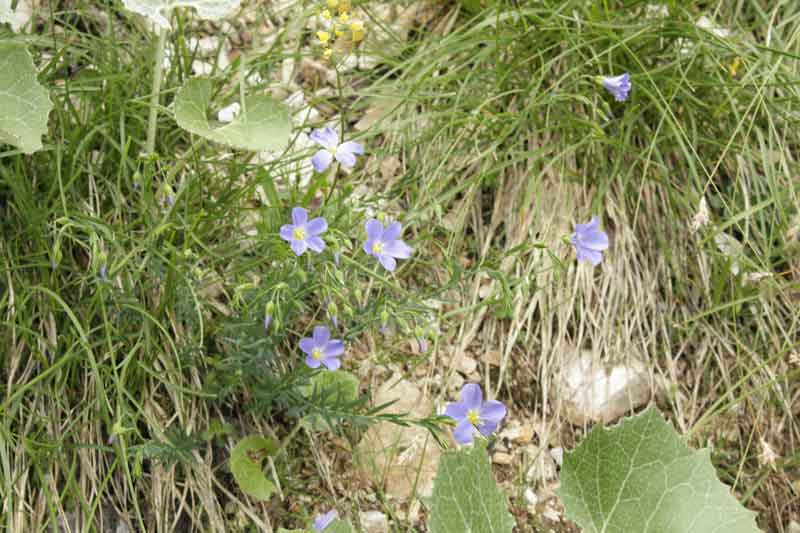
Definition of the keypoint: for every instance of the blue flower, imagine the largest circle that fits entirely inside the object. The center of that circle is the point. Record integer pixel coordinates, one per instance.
(304, 234)
(384, 244)
(619, 86)
(589, 241)
(344, 153)
(324, 520)
(474, 415)
(320, 349)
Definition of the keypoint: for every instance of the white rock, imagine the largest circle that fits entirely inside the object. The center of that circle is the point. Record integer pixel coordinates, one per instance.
(229, 112)
(655, 11)
(502, 458)
(18, 18)
(707, 24)
(374, 522)
(467, 365)
(594, 391)
(202, 68)
(730, 247)
(400, 458)
(557, 454)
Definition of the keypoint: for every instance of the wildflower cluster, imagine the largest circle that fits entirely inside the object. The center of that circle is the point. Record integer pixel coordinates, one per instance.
(472, 415)
(339, 21)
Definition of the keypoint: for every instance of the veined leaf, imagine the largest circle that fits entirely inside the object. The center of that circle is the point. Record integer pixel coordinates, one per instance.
(24, 104)
(465, 495)
(158, 10)
(640, 476)
(263, 123)
(246, 459)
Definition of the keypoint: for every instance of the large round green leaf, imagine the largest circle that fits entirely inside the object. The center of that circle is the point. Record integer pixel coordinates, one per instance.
(24, 104)
(263, 124)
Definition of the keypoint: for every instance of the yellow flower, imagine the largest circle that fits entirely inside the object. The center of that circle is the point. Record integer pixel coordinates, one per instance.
(323, 37)
(328, 53)
(326, 14)
(357, 27)
(734, 68)
(343, 18)
(339, 33)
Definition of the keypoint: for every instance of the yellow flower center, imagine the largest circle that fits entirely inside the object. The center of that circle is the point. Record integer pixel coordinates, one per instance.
(316, 354)
(323, 37)
(473, 417)
(299, 234)
(377, 247)
(326, 14)
(344, 17)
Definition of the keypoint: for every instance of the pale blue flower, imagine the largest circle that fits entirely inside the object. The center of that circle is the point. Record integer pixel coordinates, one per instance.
(619, 86)
(303, 234)
(589, 241)
(324, 520)
(320, 349)
(345, 153)
(474, 415)
(383, 243)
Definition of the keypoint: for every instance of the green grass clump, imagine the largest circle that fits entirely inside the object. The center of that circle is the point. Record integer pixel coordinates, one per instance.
(135, 288)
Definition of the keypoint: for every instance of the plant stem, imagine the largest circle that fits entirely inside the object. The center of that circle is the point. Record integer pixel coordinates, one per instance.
(150, 146)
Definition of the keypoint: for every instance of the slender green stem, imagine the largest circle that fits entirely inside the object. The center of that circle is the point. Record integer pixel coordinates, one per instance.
(154, 94)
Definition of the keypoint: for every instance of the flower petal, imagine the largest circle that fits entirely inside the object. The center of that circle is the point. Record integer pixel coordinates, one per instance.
(388, 262)
(323, 521)
(346, 159)
(307, 344)
(487, 428)
(334, 348)
(595, 240)
(299, 216)
(392, 232)
(299, 247)
(287, 232)
(589, 226)
(351, 147)
(317, 226)
(321, 336)
(332, 363)
(472, 396)
(592, 256)
(312, 363)
(368, 246)
(326, 137)
(322, 160)
(374, 229)
(397, 249)
(456, 411)
(492, 411)
(315, 243)
(464, 432)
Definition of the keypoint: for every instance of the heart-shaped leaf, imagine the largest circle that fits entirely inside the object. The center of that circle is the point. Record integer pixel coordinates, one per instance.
(262, 124)
(246, 459)
(158, 10)
(24, 104)
(640, 476)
